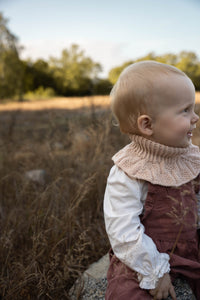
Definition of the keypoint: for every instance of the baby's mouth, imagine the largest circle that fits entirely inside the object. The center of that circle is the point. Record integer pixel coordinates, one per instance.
(189, 133)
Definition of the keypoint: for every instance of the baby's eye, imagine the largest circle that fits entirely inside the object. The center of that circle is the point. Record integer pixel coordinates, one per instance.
(186, 109)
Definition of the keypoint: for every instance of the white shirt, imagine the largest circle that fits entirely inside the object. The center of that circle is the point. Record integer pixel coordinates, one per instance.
(123, 204)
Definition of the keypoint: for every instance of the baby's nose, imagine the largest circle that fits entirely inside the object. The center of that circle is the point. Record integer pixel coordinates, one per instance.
(195, 118)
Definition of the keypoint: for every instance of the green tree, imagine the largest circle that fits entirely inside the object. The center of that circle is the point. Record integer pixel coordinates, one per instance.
(37, 74)
(115, 72)
(11, 68)
(101, 86)
(74, 72)
(169, 58)
(188, 62)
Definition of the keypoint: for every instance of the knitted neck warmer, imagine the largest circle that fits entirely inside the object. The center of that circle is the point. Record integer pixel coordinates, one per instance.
(158, 164)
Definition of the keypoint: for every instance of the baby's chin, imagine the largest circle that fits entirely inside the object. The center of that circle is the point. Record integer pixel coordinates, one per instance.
(186, 144)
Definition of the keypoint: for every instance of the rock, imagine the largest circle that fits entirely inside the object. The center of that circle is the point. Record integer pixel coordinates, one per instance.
(38, 176)
(58, 146)
(92, 285)
(182, 290)
(99, 269)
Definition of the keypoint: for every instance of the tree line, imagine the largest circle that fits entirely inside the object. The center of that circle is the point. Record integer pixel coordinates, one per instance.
(71, 74)
(186, 61)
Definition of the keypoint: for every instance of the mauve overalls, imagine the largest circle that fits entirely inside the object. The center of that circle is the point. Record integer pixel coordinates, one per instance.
(170, 213)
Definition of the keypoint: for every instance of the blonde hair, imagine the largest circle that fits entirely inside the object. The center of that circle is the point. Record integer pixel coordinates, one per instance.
(133, 93)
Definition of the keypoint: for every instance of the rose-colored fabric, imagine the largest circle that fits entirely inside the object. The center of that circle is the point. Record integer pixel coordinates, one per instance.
(170, 212)
(123, 283)
(158, 164)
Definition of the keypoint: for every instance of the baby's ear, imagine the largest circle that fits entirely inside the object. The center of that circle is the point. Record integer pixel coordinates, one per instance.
(144, 123)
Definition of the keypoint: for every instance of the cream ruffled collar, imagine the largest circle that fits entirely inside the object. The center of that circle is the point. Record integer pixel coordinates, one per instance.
(158, 164)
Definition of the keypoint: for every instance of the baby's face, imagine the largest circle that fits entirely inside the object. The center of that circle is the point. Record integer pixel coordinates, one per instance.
(175, 118)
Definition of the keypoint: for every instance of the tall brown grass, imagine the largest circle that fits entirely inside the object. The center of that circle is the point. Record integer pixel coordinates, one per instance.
(50, 233)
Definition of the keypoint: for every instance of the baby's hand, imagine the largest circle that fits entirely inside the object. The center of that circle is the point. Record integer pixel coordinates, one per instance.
(163, 289)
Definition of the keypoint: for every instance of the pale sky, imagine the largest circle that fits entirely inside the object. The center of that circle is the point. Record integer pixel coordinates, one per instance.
(111, 32)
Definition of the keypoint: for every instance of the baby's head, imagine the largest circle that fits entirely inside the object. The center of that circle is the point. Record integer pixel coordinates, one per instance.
(143, 88)
(148, 91)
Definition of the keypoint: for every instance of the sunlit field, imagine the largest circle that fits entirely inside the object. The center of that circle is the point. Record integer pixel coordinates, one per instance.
(51, 230)
(197, 98)
(58, 103)
(63, 103)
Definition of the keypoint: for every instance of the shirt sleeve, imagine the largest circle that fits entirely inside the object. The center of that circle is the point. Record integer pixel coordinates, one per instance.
(122, 208)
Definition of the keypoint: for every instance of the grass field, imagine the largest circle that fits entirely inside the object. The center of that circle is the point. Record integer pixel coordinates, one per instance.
(51, 232)
(57, 103)
(63, 103)
(197, 98)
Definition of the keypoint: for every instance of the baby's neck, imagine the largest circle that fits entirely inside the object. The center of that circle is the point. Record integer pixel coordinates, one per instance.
(159, 164)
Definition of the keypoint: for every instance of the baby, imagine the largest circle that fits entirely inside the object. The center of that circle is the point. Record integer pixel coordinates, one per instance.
(150, 204)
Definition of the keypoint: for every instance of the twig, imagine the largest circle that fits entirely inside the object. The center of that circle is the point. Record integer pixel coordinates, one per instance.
(176, 241)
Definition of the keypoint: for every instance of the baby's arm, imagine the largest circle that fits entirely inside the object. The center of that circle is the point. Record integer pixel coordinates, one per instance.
(122, 208)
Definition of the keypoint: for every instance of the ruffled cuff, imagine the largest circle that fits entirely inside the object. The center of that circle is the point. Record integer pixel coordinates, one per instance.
(150, 281)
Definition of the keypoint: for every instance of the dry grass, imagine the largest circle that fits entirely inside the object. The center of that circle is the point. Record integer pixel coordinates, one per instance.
(50, 233)
(197, 98)
(63, 103)
(58, 103)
